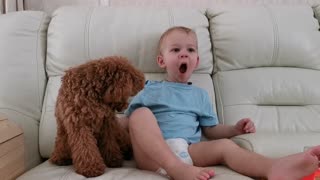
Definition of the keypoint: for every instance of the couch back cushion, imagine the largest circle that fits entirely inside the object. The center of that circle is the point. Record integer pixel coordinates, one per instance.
(130, 32)
(22, 75)
(267, 66)
(79, 34)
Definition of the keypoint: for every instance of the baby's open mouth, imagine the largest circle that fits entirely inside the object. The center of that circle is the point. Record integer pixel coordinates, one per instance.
(183, 68)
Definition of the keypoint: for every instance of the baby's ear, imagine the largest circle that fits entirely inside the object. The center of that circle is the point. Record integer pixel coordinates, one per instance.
(198, 61)
(160, 61)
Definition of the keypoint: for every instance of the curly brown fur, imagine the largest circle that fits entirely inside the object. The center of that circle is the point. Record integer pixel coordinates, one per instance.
(88, 133)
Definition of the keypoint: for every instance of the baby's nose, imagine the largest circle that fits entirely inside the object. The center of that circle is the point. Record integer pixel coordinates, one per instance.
(183, 55)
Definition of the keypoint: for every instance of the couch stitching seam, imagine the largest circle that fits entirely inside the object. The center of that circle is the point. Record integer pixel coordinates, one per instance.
(278, 117)
(87, 35)
(247, 104)
(171, 19)
(275, 27)
(20, 112)
(316, 15)
(220, 99)
(44, 111)
(88, 24)
(37, 58)
(215, 74)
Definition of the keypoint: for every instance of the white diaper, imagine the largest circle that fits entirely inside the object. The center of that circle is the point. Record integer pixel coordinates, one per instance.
(179, 147)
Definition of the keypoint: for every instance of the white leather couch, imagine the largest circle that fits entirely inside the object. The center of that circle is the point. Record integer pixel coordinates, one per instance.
(260, 61)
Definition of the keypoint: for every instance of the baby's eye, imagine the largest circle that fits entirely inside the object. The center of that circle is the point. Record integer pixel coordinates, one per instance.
(175, 50)
(191, 50)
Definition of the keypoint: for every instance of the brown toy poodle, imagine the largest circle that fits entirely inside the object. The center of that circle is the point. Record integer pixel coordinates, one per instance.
(89, 135)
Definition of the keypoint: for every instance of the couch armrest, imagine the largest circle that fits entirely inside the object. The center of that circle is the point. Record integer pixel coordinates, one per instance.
(23, 60)
(275, 145)
(11, 149)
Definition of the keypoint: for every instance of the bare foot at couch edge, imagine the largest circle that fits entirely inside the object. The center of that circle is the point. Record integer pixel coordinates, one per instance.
(188, 172)
(297, 166)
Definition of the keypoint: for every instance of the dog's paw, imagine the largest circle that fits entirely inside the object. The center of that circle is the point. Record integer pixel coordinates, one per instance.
(114, 162)
(92, 171)
(127, 155)
(60, 161)
(127, 152)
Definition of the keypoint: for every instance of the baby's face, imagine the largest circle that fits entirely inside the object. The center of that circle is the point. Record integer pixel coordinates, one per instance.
(179, 55)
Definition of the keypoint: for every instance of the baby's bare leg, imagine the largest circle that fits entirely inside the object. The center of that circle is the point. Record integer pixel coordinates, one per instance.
(123, 121)
(295, 166)
(226, 152)
(151, 151)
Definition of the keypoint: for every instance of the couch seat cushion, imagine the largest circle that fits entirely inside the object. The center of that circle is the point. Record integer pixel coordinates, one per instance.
(49, 171)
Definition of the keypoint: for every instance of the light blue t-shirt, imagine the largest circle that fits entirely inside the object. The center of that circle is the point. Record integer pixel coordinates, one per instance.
(180, 108)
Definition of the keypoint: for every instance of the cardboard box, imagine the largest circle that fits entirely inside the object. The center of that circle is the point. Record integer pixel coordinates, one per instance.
(11, 149)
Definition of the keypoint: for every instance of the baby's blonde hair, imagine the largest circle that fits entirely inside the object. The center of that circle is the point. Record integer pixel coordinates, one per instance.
(175, 28)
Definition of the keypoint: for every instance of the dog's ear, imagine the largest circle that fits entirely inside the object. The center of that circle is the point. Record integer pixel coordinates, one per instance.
(117, 94)
(108, 97)
(138, 82)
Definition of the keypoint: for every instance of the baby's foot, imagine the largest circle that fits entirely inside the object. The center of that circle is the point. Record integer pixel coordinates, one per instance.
(188, 172)
(204, 174)
(295, 167)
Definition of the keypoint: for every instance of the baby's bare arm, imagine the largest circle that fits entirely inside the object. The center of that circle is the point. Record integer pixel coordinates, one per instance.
(220, 131)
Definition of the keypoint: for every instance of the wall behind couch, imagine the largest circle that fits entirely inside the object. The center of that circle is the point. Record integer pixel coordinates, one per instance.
(1, 7)
(50, 5)
(10, 6)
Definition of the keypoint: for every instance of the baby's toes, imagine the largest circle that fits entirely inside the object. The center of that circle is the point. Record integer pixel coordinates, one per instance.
(205, 174)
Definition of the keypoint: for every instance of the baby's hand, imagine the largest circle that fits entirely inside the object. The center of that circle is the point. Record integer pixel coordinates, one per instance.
(244, 126)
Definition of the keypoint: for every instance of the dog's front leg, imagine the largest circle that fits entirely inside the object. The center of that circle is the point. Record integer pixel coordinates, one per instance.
(61, 153)
(86, 156)
(123, 137)
(110, 148)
